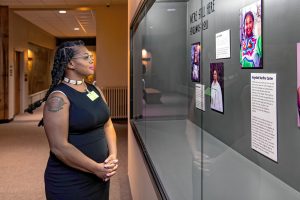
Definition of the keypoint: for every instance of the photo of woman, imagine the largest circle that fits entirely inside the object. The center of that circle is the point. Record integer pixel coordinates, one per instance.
(251, 54)
(217, 86)
(195, 60)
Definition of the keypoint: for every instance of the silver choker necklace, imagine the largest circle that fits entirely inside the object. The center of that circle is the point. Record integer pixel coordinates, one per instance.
(74, 82)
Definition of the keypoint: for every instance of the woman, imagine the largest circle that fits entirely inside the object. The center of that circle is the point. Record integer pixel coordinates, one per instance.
(81, 136)
(216, 101)
(251, 45)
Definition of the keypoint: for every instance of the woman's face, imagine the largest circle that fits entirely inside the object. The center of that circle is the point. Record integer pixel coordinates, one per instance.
(83, 61)
(215, 76)
(249, 26)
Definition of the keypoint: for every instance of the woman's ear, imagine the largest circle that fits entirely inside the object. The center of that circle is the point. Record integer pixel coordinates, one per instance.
(71, 65)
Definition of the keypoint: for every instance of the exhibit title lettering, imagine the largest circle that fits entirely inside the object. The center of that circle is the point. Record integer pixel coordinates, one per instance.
(200, 14)
(262, 78)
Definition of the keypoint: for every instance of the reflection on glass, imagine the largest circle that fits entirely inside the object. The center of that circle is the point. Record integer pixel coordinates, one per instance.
(201, 155)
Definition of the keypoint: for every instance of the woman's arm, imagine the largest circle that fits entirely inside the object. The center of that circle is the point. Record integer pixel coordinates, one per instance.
(56, 123)
(111, 137)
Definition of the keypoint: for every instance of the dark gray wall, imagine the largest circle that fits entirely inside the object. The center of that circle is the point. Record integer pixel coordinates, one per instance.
(165, 39)
(281, 32)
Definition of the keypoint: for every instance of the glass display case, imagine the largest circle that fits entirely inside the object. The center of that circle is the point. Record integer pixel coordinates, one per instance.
(214, 97)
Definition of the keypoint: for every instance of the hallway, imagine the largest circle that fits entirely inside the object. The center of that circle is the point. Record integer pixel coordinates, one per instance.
(24, 152)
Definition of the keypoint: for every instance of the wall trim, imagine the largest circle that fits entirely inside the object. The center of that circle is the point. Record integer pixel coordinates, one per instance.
(4, 121)
(142, 9)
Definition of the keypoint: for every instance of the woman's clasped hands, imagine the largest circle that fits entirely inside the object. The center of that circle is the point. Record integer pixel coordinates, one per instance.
(108, 168)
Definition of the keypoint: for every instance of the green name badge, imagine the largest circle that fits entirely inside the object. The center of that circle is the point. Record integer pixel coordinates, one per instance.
(92, 95)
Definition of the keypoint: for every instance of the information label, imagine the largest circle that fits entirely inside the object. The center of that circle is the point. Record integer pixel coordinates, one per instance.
(264, 114)
(200, 97)
(223, 44)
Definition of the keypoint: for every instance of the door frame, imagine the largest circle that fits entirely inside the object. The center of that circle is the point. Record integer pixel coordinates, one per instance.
(22, 80)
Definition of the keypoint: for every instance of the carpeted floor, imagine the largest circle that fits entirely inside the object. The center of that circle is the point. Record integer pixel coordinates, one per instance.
(24, 152)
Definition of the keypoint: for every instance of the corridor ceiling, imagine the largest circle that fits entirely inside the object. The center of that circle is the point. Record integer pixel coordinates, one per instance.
(45, 14)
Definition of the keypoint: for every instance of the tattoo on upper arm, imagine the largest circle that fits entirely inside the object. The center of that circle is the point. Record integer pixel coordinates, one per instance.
(55, 104)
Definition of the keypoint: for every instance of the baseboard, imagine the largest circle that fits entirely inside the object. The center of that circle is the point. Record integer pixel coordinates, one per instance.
(3, 121)
(120, 121)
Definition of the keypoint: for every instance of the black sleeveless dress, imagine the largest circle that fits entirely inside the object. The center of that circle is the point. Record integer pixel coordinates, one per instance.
(86, 132)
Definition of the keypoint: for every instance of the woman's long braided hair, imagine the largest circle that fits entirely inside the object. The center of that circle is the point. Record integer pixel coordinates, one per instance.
(63, 55)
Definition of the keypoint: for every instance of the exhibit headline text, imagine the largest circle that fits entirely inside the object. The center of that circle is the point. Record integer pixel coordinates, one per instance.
(196, 16)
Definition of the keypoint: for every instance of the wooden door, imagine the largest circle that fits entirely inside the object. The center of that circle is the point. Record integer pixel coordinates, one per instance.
(3, 63)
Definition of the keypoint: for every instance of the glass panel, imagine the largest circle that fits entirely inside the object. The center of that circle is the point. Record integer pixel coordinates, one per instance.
(164, 59)
(138, 84)
(219, 152)
(235, 170)
(163, 79)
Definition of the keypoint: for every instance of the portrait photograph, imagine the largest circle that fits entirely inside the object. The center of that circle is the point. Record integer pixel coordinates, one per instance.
(217, 87)
(251, 52)
(195, 61)
(298, 84)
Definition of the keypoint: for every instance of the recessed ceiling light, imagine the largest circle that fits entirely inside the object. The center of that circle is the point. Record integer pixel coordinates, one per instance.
(62, 11)
(171, 9)
(83, 8)
(144, 53)
(76, 29)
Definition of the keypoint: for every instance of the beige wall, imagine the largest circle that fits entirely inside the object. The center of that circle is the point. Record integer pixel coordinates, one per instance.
(139, 179)
(112, 45)
(140, 182)
(132, 7)
(22, 32)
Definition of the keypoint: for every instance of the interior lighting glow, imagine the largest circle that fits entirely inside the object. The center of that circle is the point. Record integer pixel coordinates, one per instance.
(84, 8)
(171, 9)
(144, 53)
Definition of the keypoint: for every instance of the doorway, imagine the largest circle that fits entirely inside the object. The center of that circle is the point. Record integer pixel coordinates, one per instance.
(17, 70)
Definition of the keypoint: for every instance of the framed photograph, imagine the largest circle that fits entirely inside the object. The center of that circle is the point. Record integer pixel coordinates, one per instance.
(217, 87)
(298, 84)
(251, 51)
(195, 60)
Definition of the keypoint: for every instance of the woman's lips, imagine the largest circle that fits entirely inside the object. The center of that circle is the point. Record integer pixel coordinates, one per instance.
(91, 67)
